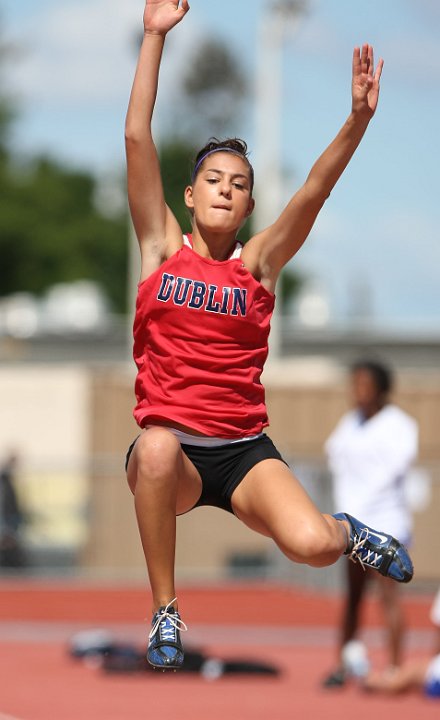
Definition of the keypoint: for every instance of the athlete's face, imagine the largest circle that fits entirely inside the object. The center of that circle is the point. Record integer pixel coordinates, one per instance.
(220, 197)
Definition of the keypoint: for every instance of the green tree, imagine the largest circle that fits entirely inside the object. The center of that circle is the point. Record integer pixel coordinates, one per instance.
(288, 285)
(51, 232)
(50, 228)
(7, 106)
(175, 161)
(215, 89)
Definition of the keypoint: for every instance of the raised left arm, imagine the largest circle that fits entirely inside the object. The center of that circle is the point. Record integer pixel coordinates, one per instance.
(268, 251)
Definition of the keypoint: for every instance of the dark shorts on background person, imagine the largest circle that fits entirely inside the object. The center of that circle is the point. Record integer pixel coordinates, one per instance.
(223, 468)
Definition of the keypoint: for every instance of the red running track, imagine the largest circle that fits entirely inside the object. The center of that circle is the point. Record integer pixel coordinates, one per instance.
(292, 629)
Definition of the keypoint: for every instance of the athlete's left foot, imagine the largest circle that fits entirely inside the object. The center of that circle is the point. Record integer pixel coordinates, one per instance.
(165, 649)
(377, 550)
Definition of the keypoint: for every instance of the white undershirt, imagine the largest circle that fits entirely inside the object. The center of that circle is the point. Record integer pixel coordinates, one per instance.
(205, 441)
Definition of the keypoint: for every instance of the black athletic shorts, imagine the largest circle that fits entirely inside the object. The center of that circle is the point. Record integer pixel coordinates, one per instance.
(223, 468)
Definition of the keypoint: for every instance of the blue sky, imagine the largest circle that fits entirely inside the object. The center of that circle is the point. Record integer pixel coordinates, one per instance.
(377, 236)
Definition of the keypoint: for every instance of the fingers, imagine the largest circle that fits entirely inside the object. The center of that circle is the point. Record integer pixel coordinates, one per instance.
(356, 61)
(370, 60)
(378, 72)
(363, 62)
(367, 59)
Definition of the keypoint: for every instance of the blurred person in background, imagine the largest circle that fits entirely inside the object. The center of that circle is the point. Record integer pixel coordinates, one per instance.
(416, 674)
(369, 455)
(11, 515)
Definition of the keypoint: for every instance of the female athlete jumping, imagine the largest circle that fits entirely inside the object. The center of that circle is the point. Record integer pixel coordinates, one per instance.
(200, 343)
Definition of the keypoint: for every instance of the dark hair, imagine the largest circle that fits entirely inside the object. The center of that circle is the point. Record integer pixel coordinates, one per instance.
(381, 374)
(234, 145)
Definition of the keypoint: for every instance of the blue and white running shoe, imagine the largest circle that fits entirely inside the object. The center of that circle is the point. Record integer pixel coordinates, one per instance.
(165, 649)
(377, 550)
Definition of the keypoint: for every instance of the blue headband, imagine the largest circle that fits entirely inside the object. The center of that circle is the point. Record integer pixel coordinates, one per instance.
(211, 152)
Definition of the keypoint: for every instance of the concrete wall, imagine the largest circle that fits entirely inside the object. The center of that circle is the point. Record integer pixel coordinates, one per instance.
(44, 418)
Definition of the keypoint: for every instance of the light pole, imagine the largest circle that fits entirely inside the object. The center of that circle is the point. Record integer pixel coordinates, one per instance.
(279, 20)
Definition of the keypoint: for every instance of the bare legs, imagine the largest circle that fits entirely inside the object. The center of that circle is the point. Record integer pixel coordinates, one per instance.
(164, 483)
(269, 500)
(272, 501)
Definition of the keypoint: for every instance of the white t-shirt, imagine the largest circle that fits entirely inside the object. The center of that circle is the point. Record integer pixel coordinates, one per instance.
(368, 460)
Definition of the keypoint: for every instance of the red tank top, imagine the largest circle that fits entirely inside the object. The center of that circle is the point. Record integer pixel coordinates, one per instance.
(200, 343)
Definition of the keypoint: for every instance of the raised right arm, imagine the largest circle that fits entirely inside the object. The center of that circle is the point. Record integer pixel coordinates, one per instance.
(155, 226)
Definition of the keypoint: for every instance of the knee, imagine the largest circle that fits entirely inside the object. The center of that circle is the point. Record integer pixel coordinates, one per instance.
(312, 545)
(157, 454)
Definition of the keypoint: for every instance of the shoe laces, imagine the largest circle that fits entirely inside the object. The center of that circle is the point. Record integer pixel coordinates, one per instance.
(167, 623)
(370, 558)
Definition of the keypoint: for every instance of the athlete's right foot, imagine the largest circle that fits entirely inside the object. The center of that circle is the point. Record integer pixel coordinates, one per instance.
(165, 649)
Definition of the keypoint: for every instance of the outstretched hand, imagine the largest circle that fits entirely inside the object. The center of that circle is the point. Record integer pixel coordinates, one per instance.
(162, 15)
(366, 80)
